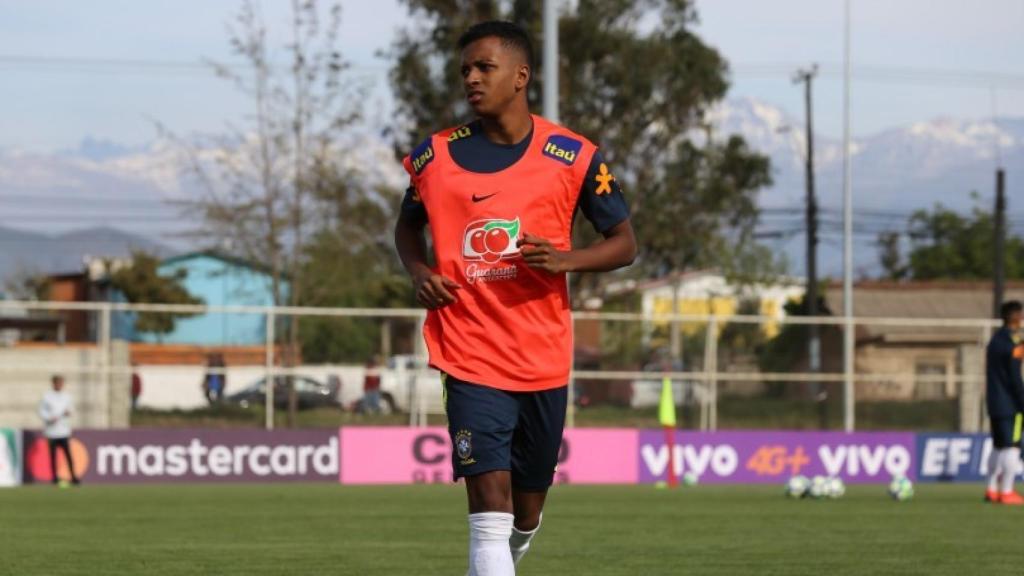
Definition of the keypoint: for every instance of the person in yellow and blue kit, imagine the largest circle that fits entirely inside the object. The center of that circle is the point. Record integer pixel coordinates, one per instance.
(1005, 399)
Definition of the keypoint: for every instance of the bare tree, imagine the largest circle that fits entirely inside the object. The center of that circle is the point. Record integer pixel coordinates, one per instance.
(258, 179)
(26, 283)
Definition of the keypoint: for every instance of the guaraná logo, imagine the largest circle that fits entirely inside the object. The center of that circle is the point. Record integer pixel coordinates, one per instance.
(491, 240)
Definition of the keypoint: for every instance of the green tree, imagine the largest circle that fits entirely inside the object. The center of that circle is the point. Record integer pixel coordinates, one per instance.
(636, 80)
(789, 347)
(141, 283)
(951, 246)
(891, 257)
(738, 341)
(26, 284)
(350, 263)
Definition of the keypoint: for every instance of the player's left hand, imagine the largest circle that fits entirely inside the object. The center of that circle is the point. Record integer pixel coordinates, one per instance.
(539, 254)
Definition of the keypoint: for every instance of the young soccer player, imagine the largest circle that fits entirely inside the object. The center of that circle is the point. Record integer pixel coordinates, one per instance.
(499, 195)
(1005, 399)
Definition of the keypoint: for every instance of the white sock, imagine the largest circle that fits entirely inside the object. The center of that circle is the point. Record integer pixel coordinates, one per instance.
(489, 554)
(993, 470)
(519, 543)
(1010, 458)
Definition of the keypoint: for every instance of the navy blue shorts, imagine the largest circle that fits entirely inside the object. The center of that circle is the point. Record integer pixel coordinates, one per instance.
(1006, 431)
(494, 429)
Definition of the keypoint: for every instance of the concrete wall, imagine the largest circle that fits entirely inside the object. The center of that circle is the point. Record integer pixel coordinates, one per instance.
(904, 360)
(98, 402)
(180, 387)
(167, 387)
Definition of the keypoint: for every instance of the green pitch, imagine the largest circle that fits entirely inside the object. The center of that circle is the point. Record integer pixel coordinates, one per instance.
(395, 531)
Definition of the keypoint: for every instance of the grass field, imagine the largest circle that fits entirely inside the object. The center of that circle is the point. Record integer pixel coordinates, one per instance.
(370, 531)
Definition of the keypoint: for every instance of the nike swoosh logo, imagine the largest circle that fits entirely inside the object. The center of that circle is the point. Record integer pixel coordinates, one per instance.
(482, 198)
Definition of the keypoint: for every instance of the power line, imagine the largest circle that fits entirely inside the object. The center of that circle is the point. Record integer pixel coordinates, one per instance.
(795, 211)
(26, 199)
(892, 74)
(7, 220)
(139, 65)
(882, 74)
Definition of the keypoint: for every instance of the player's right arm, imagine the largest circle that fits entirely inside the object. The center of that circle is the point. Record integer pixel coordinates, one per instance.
(433, 290)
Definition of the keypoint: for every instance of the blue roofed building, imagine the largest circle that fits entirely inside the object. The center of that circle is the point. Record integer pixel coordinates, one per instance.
(219, 280)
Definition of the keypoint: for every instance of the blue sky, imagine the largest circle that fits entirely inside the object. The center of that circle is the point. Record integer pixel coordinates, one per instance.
(53, 104)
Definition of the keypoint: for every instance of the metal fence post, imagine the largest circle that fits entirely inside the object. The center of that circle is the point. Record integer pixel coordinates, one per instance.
(711, 369)
(385, 340)
(269, 378)
(104, 342)
(420, 352)
(849, 376)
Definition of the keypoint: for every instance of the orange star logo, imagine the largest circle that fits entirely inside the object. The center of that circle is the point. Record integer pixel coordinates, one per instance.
(604, 180)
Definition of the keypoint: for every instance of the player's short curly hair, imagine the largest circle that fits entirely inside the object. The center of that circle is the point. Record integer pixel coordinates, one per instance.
(511, 34)
(1008, 308)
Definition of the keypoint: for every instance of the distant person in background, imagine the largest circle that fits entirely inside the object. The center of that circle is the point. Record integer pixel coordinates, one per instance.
(55, 411)
(371, 386)
(136, 389)
(1005, 399)
(216, 378)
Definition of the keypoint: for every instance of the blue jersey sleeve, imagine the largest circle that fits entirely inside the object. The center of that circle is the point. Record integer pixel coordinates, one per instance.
(412, 206)
(601, 199)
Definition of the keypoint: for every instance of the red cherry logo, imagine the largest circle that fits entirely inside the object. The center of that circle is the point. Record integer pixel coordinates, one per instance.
(497, 240)
(477, 241)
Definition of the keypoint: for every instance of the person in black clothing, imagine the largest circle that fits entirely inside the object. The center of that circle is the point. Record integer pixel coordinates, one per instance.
(1005, 399)
(215, 379)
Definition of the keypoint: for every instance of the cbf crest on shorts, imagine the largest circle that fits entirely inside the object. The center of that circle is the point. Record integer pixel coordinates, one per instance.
(464, 447)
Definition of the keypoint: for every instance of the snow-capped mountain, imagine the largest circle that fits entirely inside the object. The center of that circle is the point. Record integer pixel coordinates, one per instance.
(941, 160)
(46, 199)
(134, 188)
(895, 172)
(938, 161)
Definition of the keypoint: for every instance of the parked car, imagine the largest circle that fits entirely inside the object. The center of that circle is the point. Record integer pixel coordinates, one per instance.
(647, 392)
(408, 383)
(310, 393)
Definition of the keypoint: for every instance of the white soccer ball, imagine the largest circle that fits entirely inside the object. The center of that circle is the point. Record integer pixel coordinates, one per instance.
(819, 487)
(835, 488)
(690, 479)
(901, 489)
(797, 487)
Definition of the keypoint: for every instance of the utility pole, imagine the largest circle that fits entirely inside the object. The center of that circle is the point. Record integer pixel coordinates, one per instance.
(550, 52)
(999, 244)
(849, 340)
(806, 76)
